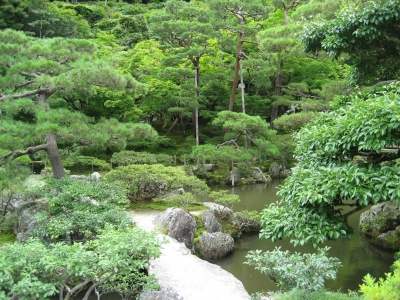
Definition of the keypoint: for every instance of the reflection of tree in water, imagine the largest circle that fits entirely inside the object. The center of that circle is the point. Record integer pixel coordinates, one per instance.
(376, 251)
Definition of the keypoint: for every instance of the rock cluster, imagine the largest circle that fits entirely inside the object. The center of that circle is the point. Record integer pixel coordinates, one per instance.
(382, 223)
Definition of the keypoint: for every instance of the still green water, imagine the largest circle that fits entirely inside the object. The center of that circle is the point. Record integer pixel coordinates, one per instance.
(356, 254)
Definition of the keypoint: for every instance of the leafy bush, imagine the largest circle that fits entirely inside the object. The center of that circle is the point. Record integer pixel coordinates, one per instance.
(82, 162)
(114, 262)
(125, 158)
(292, 122)
(385, 288)
(305, 271)
(144, 182)
(79, 209)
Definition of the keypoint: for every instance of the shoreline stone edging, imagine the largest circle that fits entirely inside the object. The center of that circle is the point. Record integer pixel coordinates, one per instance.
(189, 276)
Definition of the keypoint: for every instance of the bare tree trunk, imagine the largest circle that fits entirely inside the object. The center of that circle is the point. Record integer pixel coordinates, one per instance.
(236, 74)
(242, 85)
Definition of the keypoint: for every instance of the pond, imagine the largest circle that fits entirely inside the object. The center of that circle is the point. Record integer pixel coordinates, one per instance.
(357, 255)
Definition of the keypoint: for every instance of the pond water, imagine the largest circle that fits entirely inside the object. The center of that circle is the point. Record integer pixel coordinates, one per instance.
(357, 255)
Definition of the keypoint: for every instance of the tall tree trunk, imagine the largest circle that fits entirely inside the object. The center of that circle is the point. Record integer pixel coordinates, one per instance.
(196, 67)
(278, 88)
(54, 156)
(236, 74)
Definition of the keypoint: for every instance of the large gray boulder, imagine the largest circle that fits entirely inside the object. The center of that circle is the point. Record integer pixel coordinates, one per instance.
(167, 293)
(275, 170)
(179, 191)
(214, 245)
(389, 239)
(210, 222)
(259, 176)
(26, 223)
(95, 176)
(164, 218)
(220, 210)
(181, 226)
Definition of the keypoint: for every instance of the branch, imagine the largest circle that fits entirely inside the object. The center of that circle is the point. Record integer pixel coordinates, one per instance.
(233, 141)
(77, 287)
(28, 93)
(23, 84)
(33, 75)
(353, 211)
(89, 291)
(16, 154)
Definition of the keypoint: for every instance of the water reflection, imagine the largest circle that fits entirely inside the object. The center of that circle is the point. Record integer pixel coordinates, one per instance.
(357, 255)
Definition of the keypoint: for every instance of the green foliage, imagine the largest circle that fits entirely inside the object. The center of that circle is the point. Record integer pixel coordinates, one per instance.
(385, 288)
(305, 271)
(11, 14)
(6, 237)
(114, 262)
(125, 158)
(78, 210)
(292, 122)
(67, 71)
(302, 294)
(370, 35)
(144, 182)
(325, 179)
(82, 162)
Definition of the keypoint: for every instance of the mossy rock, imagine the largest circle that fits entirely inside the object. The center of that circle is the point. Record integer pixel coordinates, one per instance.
(390, 239)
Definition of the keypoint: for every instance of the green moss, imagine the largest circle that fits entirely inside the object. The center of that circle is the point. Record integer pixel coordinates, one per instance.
(380, 223)
(6, 238)
(393, 242)
(199, 230)
(231, 229)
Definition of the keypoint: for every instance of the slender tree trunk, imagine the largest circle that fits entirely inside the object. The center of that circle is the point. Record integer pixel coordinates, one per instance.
(236, 74)
(242, 85)
(196, 68)
(233, 174)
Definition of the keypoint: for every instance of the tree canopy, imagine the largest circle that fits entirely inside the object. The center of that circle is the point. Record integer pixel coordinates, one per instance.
(38, 75)
(370, 34)
(346, 158)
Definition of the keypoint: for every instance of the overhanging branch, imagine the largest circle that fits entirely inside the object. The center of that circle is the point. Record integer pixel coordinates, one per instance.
(15, 154)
